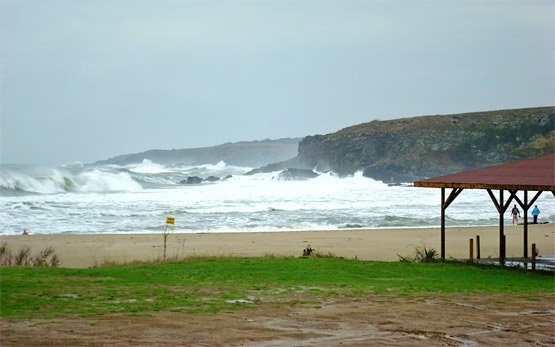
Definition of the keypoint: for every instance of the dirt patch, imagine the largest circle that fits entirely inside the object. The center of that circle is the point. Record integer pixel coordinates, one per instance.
(374, 320)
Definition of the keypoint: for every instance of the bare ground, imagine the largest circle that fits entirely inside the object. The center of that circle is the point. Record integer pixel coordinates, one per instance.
(515, 319)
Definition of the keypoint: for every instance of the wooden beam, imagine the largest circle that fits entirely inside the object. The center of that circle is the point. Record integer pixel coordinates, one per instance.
(501, 208)
(536, 198)
(500, 205)
(494, 199)
(452, 196)
(442, 234)
(501, 229)
(477, 246)
(444, 204)
(534, 256)
(525, 205)
(514, 196)
(525, 233)
(506, 205)
(533, 187)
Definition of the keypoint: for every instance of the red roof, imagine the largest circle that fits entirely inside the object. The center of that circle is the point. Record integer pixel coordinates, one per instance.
(531, 174)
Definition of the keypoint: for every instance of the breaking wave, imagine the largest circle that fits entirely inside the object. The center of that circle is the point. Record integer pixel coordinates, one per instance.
(79, 178)
(60, 180)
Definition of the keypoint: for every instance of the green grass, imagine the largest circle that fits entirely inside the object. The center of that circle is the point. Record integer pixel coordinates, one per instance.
(212, 284)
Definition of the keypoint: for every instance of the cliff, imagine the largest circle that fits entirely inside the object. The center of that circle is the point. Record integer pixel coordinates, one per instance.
(245, 153)
(404, 150)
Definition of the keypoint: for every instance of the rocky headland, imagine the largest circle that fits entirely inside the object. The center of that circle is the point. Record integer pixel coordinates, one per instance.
(408, 149)
(393, 151)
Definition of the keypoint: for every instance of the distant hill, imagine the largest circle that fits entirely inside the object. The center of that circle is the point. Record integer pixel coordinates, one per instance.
(404, 150)
(246, 153)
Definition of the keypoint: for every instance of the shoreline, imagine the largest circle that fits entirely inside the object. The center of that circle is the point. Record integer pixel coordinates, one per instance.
(380, 244)
(191, 232)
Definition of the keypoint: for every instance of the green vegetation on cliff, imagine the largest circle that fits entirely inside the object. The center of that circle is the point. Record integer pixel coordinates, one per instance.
(413, 148)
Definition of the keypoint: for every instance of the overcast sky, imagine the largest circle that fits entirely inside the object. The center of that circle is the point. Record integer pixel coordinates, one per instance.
(90, 79)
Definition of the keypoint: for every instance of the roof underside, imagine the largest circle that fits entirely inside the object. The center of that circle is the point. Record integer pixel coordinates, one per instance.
(531, 174)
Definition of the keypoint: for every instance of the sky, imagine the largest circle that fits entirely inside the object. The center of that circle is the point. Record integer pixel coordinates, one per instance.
(91, 79)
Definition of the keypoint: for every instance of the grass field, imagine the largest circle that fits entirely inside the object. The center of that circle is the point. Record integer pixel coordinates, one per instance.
(199, 285)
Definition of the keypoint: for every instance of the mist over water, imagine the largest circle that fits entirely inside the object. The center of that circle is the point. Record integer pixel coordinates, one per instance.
(136, 198)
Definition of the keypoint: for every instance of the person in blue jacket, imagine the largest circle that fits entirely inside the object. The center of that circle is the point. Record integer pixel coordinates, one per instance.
(535, 214)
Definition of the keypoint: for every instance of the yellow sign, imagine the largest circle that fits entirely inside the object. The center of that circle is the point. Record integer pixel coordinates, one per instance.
(170, 220)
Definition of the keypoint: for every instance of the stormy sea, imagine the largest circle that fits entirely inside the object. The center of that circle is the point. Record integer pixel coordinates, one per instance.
(137, 198)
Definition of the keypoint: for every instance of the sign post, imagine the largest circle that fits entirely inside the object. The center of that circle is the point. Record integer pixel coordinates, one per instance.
(170, 220)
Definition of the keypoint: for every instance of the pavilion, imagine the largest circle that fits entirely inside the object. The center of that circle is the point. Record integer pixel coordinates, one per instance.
(531, 175)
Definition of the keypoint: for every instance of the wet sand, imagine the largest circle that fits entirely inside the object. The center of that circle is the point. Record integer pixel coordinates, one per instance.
(81, 251)
(442, 320)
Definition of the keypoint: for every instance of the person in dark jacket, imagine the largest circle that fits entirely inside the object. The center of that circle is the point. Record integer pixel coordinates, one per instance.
(516, 214)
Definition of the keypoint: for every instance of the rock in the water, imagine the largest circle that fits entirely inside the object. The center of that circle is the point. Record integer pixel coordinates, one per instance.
(211, 179)
(192, 180)
(296, 175)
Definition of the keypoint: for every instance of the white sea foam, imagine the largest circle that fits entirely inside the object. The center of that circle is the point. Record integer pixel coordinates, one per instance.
(147, 166)
(219, 169)
(95, 199)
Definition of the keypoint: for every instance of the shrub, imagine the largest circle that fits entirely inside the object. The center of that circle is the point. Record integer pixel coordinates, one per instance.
(23, 257)
(6, 256)
(421, 255)
(307, 252)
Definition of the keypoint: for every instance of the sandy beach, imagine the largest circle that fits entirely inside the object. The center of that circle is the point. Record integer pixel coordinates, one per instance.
(86, 250)
(450, 319)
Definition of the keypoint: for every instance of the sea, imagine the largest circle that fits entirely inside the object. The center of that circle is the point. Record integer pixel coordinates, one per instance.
(94, 199)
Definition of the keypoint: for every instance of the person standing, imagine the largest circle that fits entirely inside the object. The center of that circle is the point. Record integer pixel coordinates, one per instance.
(535, 214)
(516, 214)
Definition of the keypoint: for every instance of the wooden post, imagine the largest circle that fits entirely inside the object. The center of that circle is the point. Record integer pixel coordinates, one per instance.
(503, 240)
(443, 223)
(165, 242)
(501, 229)
(477, 246)
(444, 204)
(533, 256)
(471, 250)
(525, 224)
